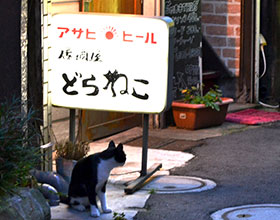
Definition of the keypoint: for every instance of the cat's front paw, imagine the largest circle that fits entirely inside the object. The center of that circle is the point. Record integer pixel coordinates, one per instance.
(106, 210)
(94, 212)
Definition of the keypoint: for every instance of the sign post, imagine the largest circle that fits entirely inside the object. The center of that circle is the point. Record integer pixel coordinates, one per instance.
(145, 145)
(72, 116)
(145, 174)
(112, 62)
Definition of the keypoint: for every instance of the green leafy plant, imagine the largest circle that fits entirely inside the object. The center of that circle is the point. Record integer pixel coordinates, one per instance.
(210, 99)
(119, 216)
(71, 151)
(19, 153)
(152, 191)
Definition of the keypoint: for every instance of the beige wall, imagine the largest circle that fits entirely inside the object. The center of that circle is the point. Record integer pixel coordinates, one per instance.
(65, 6)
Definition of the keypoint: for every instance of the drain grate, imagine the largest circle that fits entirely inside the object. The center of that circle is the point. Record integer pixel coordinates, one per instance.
(169, 187)
(243, 216)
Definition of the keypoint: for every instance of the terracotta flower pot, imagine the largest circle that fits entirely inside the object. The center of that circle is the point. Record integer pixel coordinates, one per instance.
(196, 116)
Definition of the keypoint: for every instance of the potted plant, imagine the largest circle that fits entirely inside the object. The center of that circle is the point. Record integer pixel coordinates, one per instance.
(67, 154)
(197, 111)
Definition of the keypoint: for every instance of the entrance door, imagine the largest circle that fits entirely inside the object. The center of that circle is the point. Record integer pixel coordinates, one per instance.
(98, 124)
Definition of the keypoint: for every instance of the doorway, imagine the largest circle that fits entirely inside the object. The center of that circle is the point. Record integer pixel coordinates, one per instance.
(97, 124)
(269, 75)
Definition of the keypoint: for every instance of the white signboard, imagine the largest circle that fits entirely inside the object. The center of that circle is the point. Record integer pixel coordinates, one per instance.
(110, 62)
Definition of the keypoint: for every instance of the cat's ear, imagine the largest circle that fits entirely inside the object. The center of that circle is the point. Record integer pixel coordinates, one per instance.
(120, 147)
(112, 144)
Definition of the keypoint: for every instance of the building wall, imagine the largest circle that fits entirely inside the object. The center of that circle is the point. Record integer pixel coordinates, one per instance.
(10, 59)
(221, 21)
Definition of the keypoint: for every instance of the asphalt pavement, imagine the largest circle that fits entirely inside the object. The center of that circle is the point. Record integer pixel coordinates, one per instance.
(244, 164)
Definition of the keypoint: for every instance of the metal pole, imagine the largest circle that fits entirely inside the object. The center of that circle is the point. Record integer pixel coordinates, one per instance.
(255, 94)
(72, 125)
(145, 174)
(145, 145)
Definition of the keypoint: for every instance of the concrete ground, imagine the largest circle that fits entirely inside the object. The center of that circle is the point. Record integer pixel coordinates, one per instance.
(243, 161)
(118, 201)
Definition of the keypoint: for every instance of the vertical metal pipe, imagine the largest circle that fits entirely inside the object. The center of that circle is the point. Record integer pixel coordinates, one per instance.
(200, 69)
(72, 125)
(145, 145)
(257, 51)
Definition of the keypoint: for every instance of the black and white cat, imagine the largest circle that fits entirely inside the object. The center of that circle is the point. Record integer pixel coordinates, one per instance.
(89, 179)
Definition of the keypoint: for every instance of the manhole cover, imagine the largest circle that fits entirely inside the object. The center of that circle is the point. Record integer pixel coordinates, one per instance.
(169, 187)
(249, 212)
(178, 184)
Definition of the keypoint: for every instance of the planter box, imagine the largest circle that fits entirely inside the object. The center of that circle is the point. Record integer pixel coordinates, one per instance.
(196, 116)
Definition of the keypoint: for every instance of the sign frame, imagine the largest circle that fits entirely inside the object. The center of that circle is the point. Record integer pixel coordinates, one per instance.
(74, 41)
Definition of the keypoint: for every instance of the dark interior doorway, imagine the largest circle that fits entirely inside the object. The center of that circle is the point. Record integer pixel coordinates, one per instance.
(269, 89)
